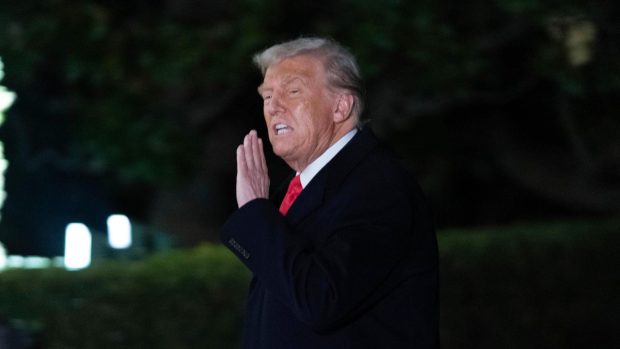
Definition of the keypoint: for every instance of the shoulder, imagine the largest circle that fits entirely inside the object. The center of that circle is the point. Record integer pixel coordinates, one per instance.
(374, 175)
(382, 166)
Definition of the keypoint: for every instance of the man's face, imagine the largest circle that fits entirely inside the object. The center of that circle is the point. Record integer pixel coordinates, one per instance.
(298, 109)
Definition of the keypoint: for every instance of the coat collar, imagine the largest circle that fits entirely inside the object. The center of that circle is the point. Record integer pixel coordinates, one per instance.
(332, 175)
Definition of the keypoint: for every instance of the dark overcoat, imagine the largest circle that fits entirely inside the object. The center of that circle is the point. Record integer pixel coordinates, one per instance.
(352, 265)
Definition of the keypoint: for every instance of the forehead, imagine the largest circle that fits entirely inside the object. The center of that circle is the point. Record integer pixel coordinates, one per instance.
(304, 67)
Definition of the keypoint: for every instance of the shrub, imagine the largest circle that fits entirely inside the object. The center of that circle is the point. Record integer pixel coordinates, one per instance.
(531, 286)
(548, 286)
(182, 299)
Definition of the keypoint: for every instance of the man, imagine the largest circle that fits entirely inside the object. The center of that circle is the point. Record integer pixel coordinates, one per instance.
(348, 257)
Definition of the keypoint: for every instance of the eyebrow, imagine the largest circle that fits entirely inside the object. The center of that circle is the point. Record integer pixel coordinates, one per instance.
(292, 80)
(287, 81)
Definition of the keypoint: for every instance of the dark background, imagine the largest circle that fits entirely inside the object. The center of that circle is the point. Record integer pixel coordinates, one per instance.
(506, 110)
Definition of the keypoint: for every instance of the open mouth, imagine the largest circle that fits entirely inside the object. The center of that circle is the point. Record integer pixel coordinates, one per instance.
(280, 129)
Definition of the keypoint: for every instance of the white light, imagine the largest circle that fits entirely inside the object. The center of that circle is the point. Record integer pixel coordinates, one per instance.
(119, 231)
(58, 261)
(6, 98)
(3, 261)
(36, 262)
(15, 261)
(78, 243)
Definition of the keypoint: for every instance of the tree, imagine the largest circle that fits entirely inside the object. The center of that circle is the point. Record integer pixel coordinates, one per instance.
(6, 100)
(505, 108)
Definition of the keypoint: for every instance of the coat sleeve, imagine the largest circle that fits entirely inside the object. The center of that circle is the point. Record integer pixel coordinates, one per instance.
(326, 283)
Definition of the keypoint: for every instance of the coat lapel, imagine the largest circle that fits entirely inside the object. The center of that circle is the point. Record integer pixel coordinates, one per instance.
(332, 175)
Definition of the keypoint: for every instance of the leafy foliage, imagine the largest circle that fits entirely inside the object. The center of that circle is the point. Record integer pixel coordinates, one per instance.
(545, 285)
(173, 300)
(476, 96)
(548, 284)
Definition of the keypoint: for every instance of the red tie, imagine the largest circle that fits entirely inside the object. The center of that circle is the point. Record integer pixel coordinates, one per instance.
(294, 188)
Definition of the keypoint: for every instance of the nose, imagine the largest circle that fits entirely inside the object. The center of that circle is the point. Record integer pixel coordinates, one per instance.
(274, 105)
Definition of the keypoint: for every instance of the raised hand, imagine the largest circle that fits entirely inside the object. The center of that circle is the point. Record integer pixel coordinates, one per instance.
(252, 176)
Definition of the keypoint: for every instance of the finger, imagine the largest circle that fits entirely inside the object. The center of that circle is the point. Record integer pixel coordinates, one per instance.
(257, 154)
(263, 161)
(241, 163)
(247, 151)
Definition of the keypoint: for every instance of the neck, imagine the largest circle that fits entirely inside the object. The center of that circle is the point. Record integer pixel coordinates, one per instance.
(299, 166)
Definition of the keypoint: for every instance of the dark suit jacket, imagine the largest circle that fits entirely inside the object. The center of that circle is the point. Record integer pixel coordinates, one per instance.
(352, 265)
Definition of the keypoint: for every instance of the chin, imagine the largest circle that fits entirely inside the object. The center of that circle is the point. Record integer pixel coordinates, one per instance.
(279, 145)
(282, 152)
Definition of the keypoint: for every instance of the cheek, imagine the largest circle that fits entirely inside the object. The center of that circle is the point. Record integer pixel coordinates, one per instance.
(266, 116)
(299, 111)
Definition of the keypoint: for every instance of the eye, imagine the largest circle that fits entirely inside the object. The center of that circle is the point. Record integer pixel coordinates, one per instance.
(266, 97)
(294, 91)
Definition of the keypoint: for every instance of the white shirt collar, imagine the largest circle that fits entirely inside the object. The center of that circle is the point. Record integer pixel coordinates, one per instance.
(311, 170)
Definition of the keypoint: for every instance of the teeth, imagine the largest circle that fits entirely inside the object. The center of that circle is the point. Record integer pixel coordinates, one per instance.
(281, 128)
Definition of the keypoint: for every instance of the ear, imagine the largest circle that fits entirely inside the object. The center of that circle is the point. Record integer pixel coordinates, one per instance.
(343, 107)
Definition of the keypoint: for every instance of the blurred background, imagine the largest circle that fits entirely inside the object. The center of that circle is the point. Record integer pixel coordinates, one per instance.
(507, 111)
